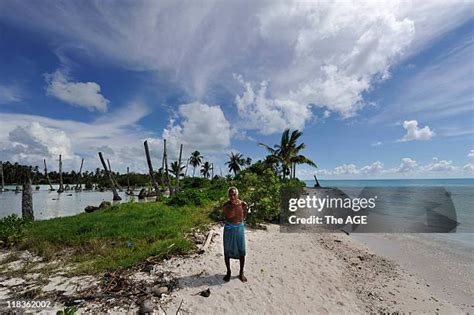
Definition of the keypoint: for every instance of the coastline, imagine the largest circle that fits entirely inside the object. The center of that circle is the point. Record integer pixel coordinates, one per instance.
(431, 257)
(288, 273)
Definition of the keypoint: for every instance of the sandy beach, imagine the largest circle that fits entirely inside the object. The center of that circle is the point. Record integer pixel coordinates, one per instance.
(287, 274)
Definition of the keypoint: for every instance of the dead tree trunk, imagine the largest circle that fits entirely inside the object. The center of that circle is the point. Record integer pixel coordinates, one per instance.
(47, 176)
(179, 167)
(27, 199)
(61, 187)
(162, 174)
(165, 158)
(317, 182)
(128, 179)
(212, 170)
(2, 189)
(107, 173)
(113, 177)
(150, 169)
(186, 171)
(79, 177)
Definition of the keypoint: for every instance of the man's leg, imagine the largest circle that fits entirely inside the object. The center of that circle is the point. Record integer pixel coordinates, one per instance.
(227, 265)
(242, 264)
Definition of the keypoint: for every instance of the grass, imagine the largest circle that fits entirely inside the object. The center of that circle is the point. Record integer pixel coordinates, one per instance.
(118, 237)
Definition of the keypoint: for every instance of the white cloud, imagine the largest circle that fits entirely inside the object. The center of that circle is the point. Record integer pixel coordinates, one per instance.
(323, 53)
(437, 165)
(407, 165)
(346, 169)
(82, 94)
(10, 94)
(469, 167)
(376, 144)
(373, 168)
(30, 138)
(202, 127)
(269, 115)
(470, 155)
(441, 89)
(416, 133)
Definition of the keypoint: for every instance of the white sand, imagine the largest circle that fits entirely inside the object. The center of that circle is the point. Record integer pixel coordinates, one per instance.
(299, 273)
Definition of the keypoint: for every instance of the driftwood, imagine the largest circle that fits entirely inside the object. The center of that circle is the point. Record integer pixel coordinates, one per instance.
(208, 240)
(150, 169)
(116, 195)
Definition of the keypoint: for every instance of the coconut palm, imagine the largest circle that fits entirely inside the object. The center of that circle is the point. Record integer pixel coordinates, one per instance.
(195, 160)
(287, 152)
(236, 161)
(205, 169)
(175, 169)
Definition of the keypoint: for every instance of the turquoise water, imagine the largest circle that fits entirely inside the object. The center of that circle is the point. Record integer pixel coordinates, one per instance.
(456, 182)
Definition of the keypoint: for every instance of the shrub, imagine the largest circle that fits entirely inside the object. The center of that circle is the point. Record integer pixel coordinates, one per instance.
(186, 198)
(12, 230)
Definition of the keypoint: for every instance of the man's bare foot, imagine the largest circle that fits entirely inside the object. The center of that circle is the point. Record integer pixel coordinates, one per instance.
(227, 277)
(242, 278)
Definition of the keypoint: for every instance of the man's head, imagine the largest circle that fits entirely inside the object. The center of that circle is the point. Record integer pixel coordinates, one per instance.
(233, 193)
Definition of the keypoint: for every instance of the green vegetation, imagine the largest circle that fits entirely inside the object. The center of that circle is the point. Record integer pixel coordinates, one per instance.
(117, 237)
(12, 230)
(126, 235)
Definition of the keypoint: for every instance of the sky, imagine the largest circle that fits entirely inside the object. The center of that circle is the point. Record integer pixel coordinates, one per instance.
(380, 89)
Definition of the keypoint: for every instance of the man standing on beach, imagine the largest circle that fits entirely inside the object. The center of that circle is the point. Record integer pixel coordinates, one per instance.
(235, 211)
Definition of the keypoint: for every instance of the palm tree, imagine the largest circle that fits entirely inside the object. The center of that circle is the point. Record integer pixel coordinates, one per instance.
(287, 152)
(175, 169)
(195, 160)
(236, 160)
(205, 169)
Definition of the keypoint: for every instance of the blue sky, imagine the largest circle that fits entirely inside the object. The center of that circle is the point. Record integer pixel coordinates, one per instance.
(380, 90)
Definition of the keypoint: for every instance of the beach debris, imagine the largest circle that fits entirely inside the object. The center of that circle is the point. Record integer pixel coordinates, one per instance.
(179, 308)
(204, 293)
(208, 240)
(159, 290)
(146, 307)
(90, 209)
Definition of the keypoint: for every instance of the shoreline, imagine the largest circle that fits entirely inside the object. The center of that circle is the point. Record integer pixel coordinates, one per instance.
(287, 273)
(431, 257)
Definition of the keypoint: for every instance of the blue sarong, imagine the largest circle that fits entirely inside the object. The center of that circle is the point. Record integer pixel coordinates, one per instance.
(234, 240)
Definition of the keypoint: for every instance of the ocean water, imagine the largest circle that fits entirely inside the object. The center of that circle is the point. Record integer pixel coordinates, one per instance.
(49, 204)
(445, 182)
(461, 192)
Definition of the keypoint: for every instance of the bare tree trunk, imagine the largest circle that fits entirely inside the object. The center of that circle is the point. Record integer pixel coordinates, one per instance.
(166, 167)
(47, 176)
(107, 173)
(212, 170)
(27, 199)
(187, 164)
(220, 168)
(162, 174)
(150, 169)
(79, 177)
(179, 167)
(61, 187)
(317, 182)
(2, 189)
(128, 179)
(113, 177)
